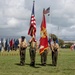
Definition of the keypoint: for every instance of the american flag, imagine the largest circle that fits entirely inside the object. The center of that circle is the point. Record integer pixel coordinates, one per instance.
(32, 29)
(46, 11)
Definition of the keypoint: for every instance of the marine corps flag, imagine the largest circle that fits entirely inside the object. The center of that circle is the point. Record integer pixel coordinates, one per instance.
(32, 29)
(43, 33)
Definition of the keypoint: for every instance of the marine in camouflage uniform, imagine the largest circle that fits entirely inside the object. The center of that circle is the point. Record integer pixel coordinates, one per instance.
(55, 48)
(44, 57)
(32, 51)
(22, 46)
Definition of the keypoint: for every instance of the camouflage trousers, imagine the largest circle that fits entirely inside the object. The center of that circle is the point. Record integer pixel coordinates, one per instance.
(22, 55)
(32, 52)
(54, 58)
(44, 57)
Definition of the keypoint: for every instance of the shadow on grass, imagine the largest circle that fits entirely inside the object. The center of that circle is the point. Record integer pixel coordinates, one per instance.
(27, 64)
(18, 64)
(49, 64)
(38, 64)
(41, 64)
(45, 65)
(35, 66)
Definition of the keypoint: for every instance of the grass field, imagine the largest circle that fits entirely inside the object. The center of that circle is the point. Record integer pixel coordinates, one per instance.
(9, 64)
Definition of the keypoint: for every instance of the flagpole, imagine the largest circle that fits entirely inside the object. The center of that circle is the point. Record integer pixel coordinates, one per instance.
(32, 28)
(47, 11)
(33, 0)
(33, 4)
(49, 22)
(58, 33)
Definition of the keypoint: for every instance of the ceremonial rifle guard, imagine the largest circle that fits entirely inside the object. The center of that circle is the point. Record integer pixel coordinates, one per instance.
(22, 46)
(55, 48)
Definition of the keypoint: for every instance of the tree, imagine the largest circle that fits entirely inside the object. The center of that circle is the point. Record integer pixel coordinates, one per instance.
(61, 42)
(52, 36)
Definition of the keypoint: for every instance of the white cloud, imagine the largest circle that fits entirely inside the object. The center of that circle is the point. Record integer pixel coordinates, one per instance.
(16, 9)
(12, 22)
(22, 32)
(73, 26)
(15, 3)
(72, 20)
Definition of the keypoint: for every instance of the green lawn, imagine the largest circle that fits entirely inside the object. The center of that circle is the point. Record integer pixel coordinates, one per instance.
(9, 64)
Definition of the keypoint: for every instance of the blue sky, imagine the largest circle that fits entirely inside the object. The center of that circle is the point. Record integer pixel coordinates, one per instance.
(15, 17)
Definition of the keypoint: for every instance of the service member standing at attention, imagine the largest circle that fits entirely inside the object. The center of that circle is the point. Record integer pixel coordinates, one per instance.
(44, 57)
(55, 48)
(32, 51)
(22, 46)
